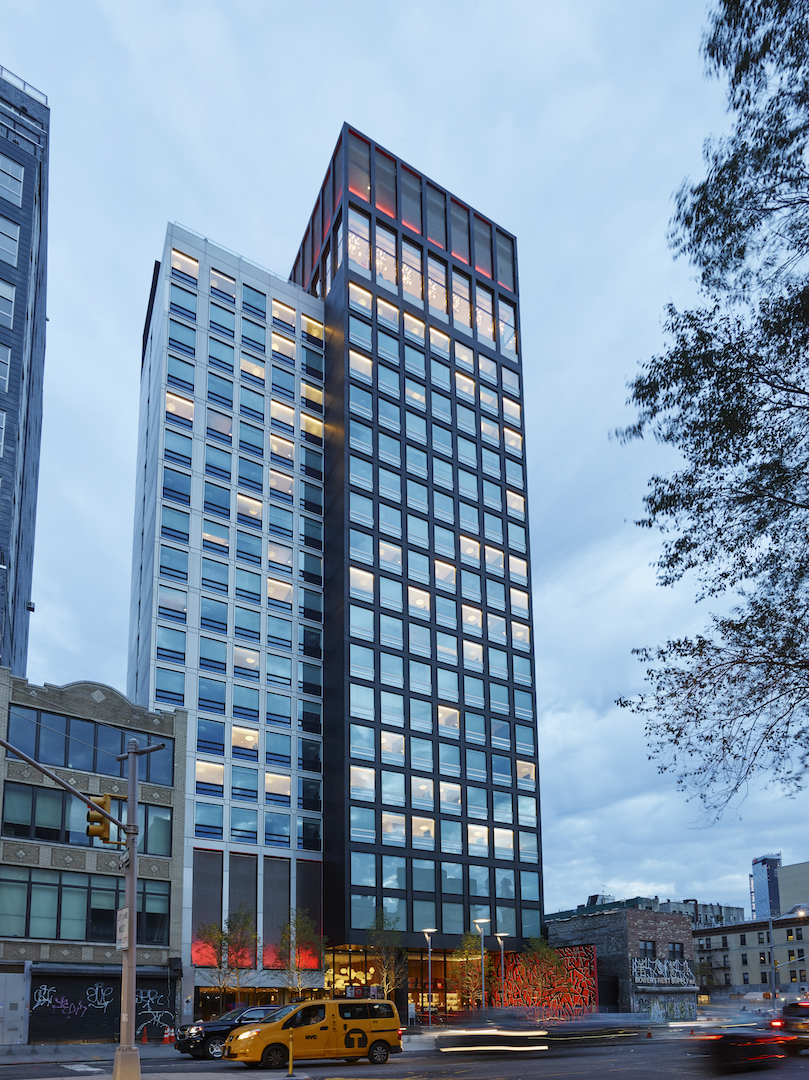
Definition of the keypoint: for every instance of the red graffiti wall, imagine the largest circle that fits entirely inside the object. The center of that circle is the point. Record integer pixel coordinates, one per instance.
(567, 991)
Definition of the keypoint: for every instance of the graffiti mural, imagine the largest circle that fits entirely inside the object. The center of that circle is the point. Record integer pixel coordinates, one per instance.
(661, 1008)
(73, 1007)
(569, 988)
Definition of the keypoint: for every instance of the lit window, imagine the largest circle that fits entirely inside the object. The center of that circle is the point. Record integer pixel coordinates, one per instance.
(393, 829)
(11, 176)
(422, 833)
(465, 388)
(9, 241)
(283, 315)
(478, 840)
(360, 366)
(311, 429)
(473, 656)
(362, 783)
(210, 778)
(519, 601)
(7, 304)
(470, 550)
(516, 504)
(484, 314)
(386, 313)
(361, 584)
(312, 330)
(472, 619)
(412, 281)
(414, 329)
(223, 285)
(512, 411)
(386, 267)
(513, 442)
(277, 789)
(359, 242)
(445, 575)
(437, 287)
(418, 601)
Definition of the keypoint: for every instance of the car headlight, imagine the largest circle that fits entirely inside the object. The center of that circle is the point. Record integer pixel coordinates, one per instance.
(249, 1034)
(194, 1031)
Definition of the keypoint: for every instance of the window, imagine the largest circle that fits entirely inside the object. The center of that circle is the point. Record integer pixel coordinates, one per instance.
(386, 265)
(459, 216)
(359, 242)
(7, 293)
(483, 247)
(505, 261)
(10, 241)
(5, 367)
(411, 200)
(437, 288)
(31, 899)
(675, 950)
(11, 177)
(412, 281)
(254, 302)
(646, 950)
(484, 314)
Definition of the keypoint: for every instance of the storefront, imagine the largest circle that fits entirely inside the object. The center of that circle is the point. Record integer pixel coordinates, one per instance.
(76, 1003)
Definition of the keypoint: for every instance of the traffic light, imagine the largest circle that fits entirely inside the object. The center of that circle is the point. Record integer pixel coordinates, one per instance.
(97, 824)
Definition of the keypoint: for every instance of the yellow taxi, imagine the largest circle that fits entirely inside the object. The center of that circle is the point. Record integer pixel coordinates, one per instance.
(337, 1028)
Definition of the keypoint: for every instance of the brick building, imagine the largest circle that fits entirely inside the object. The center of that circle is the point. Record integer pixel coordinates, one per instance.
(644, 960)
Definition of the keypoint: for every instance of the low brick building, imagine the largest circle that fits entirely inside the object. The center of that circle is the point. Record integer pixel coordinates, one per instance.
(644, 960)
(60, 972)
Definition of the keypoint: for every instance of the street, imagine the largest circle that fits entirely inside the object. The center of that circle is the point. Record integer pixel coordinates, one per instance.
(658, 1060)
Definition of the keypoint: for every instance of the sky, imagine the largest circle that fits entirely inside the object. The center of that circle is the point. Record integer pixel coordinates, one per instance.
(569, 124)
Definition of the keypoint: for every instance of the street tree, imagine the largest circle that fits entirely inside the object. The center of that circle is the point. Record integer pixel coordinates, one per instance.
(232, 949)
(730, 393)
(300, 954)
(545, 966)
(465, 977)
(386, 953)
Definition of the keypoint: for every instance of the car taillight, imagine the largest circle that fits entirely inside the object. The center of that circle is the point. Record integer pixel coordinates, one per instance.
(399, 1034)
(776, 1023)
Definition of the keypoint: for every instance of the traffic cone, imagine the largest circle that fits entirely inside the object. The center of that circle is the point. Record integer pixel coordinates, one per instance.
(166, 1039)
(144, 1037)
(649, 1033)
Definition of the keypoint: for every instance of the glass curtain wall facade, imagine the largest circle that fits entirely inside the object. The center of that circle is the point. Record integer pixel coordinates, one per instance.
(226, 614)
(430, 745)
(24, 150)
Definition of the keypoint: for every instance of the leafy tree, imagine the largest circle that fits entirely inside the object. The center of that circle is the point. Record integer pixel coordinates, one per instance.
(465, 979)
(731, 394)
(233, 947)
(300, 953)
(545, 965)
(386, 952)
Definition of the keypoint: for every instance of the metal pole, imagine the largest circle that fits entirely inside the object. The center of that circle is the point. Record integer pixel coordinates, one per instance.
(502, 975)
(772, 961)
(127, 1059)
(428, 933)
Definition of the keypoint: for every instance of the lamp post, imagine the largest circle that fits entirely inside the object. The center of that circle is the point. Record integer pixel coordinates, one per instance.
(480, 923)
(428, 933)
(770, 935)
(502, 969)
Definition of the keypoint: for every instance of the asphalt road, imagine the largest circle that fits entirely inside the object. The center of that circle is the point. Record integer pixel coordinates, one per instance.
(652, 1061)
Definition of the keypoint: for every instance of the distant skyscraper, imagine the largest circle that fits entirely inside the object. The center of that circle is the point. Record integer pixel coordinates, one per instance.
(331, 571)
(764, 898)
(24, 134)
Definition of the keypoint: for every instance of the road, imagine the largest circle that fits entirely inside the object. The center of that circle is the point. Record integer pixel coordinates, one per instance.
(658, 1060)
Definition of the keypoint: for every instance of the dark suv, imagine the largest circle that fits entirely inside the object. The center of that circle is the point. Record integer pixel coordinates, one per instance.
(794, 1020)
(206, 1038)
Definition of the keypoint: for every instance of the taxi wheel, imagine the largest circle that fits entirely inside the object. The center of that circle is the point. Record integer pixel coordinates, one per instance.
(214, 1047)
(274, 1057)
(379, 1053)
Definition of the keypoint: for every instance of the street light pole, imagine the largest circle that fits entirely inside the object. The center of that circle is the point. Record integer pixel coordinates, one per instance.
(428, 933)
(502, 969)
(480, 923)
(772, 960)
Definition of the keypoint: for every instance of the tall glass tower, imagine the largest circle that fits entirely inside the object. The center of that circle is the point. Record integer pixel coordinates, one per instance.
(331, 572)
(24, 146)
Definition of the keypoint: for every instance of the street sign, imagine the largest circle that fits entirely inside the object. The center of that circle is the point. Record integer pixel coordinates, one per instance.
(122, 929)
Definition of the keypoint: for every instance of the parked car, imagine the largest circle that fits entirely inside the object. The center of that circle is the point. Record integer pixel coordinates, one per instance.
(794, 1020)
(334, 1028)
(206, 1038)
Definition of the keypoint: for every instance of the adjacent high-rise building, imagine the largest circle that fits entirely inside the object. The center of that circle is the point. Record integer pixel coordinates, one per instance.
(764, 898)
(331, 573)
(24, 137)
